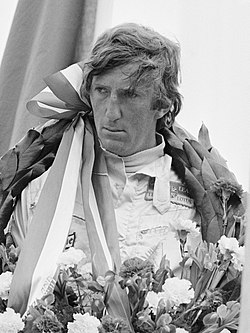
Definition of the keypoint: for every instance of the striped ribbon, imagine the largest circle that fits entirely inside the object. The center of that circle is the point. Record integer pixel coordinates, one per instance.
(79, 151)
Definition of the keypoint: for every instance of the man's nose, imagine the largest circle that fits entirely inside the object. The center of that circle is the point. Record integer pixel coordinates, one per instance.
(113, 111)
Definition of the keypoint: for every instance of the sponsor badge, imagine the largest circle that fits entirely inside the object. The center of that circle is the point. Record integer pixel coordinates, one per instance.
(179, 195)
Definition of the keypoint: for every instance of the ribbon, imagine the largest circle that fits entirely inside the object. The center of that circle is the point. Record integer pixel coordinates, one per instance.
(79, 151)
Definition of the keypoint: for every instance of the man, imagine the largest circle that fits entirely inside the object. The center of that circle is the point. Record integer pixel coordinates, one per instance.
(131, 83)
(125, 187)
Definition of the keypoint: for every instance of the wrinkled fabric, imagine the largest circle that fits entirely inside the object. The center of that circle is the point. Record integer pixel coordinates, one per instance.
(143, 226)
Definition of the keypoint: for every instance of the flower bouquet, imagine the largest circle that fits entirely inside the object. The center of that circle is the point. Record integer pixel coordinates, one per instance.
(203, 297)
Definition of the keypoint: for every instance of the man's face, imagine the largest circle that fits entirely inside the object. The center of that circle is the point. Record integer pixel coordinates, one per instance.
(124, 119)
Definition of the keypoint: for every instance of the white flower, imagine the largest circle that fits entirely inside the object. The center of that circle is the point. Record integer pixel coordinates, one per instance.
(225, 330)
(180, 330)
(84, 268)
(10, 322)
(153, 299)
(70, 257)
(228, 245)
(84, 324)
(5, 282)
(183, 227)
(101, 280)
(238, 258)
(177, 291)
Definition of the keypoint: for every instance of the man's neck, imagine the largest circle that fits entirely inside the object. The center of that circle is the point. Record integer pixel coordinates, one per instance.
(137, 161)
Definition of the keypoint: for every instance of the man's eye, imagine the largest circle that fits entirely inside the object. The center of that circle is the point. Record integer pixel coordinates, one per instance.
(131, 94)
(101, 90)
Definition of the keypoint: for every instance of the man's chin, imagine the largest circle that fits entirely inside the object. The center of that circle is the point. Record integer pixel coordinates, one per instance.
(117, 146)
(113, 147)
(115, 150)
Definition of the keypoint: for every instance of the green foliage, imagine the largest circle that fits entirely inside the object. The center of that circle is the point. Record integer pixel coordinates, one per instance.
(226, 316)
(33, 155)
(116, 299)
(200, 165)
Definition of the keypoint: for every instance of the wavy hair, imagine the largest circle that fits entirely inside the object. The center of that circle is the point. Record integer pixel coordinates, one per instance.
(158, 61)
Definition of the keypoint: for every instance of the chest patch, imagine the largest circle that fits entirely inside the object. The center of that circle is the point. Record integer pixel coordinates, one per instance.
(150, 189)
(179, 195)
(70, 240)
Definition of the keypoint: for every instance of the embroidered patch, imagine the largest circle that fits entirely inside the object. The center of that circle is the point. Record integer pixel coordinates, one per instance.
(154, 231)
(150, 189)
(70, 240)
(179, 195)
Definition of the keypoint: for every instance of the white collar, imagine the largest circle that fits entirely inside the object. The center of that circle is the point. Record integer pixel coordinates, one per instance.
(138, 162)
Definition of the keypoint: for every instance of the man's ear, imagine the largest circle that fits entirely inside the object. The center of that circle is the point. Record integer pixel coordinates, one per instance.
(169, 118)
(165, 119)
(160, 113)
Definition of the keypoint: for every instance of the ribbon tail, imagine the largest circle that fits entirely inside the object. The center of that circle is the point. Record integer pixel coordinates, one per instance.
(104, 199)
(36, 268)
(100, 254)
(101, 225)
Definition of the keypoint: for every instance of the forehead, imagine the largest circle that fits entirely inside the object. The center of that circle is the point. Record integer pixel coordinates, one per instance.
(122, 76)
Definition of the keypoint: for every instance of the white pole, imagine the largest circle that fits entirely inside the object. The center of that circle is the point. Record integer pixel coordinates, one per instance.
(104, 16)
(245, 291)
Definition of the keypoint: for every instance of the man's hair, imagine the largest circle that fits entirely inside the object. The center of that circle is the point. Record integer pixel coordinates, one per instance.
(158, 60)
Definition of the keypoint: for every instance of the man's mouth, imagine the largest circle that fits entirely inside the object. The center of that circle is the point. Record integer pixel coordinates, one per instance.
(113, 130)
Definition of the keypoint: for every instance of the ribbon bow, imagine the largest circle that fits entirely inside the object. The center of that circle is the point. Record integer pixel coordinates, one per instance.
(79, 154)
